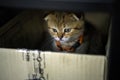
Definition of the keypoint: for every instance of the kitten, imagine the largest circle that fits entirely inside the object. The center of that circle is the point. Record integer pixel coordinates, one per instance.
(69, 32)
(65, 28)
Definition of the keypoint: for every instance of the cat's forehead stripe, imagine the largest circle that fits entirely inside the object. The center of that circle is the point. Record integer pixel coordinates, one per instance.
(60, 20)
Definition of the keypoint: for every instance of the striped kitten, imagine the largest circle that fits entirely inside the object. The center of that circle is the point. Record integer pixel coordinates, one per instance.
(66, 29)
(69, 32)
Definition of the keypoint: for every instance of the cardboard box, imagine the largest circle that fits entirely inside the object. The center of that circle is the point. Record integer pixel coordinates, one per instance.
(24, 65)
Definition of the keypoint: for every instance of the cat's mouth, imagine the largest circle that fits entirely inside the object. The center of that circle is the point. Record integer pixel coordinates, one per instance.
(62, 39)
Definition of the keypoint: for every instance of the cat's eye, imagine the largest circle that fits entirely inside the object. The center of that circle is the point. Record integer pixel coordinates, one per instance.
(67, 30)
(54, 30)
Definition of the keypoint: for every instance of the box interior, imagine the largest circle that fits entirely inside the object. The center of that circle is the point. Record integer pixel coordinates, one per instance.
(27, 29)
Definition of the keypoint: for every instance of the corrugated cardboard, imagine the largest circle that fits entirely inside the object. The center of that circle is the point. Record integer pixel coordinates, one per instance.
(14, 65)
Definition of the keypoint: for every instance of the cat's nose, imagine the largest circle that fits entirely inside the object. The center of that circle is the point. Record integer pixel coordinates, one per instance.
(61, 36)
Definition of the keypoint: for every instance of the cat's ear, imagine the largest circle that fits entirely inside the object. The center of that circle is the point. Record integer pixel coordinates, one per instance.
(75, 17)
(80, 15)
(47, 15)
(46, 18)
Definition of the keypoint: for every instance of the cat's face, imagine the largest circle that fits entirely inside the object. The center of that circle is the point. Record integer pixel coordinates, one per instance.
(64, 27)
